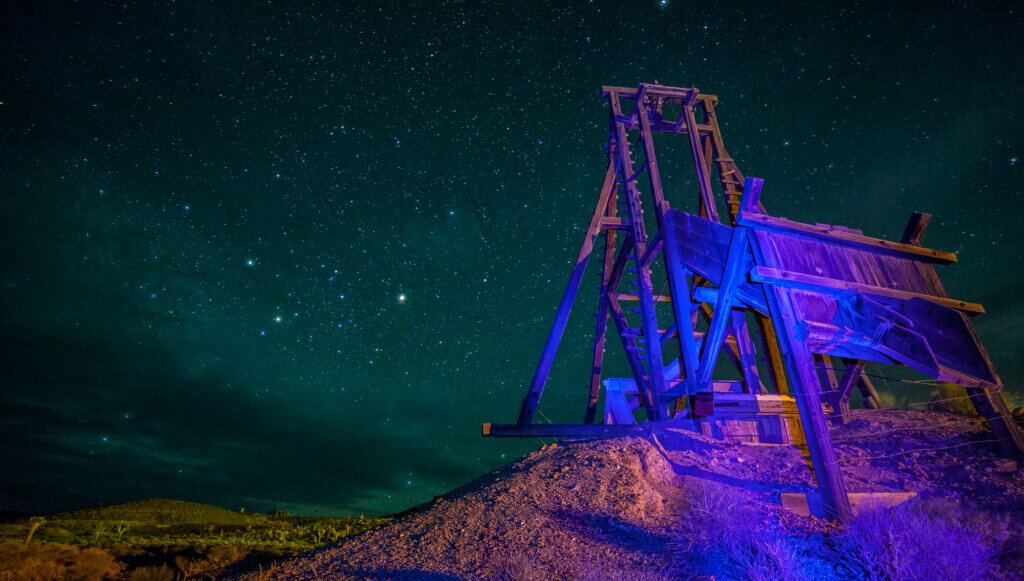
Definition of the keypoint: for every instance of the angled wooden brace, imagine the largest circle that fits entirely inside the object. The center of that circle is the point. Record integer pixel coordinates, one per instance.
(804, 384)
(732, 275)
(540, 376)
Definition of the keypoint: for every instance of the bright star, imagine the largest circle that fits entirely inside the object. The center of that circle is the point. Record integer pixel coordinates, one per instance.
(250, 262)
(277, 319)
(401, 298)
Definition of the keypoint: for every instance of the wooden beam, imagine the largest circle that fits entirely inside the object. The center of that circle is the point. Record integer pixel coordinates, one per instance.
(615, 224)
(745, 294)
(915, 228)
(633, 297)
(669, 93)
(703, 180)
(653, 247)
(745, 353)
(540, 376)
(806, 389)
(770, 342)
(735, 264)
(992, 407)
(828, 234)
(821, 284)
(851, 376)
(827, 376)
(601, 324)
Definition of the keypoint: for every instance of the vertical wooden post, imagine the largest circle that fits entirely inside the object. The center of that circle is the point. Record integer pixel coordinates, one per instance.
(770, 342)
(745, 352)
(601, 324)
(829, 384)
(652, 340)
(703, 180)
(851, 377)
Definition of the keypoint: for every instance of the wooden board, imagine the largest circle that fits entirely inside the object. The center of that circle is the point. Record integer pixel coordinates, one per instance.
(776, 429)
(810, 504)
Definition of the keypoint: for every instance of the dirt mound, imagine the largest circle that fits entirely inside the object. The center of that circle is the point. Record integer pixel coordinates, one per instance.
(560, 510)
(624, 508)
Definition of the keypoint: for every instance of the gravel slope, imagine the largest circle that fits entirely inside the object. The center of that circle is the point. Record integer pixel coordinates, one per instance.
(612, 509)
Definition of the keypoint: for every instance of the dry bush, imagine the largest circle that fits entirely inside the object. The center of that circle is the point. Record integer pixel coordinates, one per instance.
(887, 401)
(56, 562)
(517, 567)
(725, 531)
(161, 573)
(914, 542)
(594, 571)
(215, 561)
(952, 398)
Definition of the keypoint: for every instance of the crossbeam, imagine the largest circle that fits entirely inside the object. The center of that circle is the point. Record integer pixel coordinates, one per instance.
(832, 286)
(828, 234)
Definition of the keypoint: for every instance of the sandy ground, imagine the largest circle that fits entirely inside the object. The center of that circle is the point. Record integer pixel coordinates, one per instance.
(610, 509)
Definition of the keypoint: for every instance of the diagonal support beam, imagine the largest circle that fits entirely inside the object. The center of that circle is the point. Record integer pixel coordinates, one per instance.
(804, 384)
(731, 277)
(547, 357)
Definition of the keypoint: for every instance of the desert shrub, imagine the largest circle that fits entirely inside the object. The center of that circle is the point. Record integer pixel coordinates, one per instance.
(594, 571)
(952, 398)
(161, 573)
(215, 561)
(725, 531)
(517, 567)
(913, 542)
(56, 562)
(887, 400)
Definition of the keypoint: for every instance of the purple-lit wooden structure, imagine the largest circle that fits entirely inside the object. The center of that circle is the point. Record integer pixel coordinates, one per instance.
(818, 294)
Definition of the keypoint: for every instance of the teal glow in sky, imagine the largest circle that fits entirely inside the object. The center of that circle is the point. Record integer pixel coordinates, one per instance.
(282, 257)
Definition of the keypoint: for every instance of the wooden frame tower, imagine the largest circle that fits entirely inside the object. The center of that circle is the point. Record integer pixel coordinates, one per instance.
(819, 294)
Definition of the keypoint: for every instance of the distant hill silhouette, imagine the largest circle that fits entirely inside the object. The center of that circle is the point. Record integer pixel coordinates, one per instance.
(161, 511)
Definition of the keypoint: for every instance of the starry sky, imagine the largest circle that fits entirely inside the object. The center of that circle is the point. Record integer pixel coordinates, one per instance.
(291, 255)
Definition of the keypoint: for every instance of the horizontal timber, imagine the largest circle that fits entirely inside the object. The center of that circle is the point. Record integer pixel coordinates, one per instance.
(832, 286)
(632, 297)
(828, 234)
(656, 91)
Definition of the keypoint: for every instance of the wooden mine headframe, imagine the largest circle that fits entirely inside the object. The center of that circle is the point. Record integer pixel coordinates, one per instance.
(818, 293)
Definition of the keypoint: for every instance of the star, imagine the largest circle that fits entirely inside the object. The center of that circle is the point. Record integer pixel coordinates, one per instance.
(401, 298)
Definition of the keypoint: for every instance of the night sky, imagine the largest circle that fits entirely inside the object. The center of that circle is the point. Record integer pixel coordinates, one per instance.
(282, 255)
